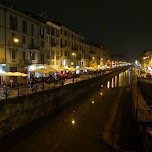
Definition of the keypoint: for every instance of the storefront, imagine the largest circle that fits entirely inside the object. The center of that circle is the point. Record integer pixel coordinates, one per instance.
(35, 67)
(2, 70)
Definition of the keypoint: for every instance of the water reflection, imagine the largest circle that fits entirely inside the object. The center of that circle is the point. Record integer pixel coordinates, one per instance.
(123, 79)
(108, 84)
(112, 84)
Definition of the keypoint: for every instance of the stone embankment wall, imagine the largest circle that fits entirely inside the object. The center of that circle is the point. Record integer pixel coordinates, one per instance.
(145, 88)
(16, 112)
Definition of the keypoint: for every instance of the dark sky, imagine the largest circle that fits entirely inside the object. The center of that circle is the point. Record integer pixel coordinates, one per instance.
(124, 26)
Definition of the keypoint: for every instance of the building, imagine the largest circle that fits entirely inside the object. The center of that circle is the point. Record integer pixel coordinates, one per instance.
(147, 61)
(22, 39)
(72, 48)
(30, 42)
(53, 45)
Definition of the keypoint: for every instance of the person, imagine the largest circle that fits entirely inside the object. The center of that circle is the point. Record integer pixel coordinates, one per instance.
(11, 81)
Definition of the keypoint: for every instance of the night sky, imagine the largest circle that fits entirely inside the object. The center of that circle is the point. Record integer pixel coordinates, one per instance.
(123, 26)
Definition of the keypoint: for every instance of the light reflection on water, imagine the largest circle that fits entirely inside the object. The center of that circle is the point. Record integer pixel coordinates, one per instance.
(121, 80)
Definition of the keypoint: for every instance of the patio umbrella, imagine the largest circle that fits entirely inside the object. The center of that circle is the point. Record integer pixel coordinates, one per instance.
(61, 69)
(91, 68)
(99, 68)
(83, 68)
(42, 70)
(19, 74)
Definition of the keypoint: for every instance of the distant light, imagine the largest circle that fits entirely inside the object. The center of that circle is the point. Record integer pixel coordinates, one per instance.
(92, 102)
(101, 93)
(101, 58)
(102, 85)
(92, 57)
(73, 122)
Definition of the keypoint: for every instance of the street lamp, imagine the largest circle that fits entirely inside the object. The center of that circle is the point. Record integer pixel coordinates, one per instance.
(16, 40)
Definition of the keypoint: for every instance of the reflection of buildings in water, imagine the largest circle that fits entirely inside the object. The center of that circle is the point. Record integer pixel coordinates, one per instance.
(123, 79)
(116, 81)
(108, 84)
(112, 83)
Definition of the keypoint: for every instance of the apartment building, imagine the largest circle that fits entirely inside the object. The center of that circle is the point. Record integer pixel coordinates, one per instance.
(147, 61)
(22, 39)
(72, 48)
(53, 45)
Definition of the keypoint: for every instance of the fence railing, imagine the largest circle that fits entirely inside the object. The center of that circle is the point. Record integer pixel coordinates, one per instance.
(9, 92)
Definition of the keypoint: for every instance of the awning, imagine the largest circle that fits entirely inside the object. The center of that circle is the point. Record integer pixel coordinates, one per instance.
(42, 70)
(15, 74)
(61, 69)
(91, 68)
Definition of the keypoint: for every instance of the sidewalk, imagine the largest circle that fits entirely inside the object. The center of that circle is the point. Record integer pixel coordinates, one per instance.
(142, 111)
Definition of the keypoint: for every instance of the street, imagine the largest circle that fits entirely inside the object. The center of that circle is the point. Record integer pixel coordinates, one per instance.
(80, 127)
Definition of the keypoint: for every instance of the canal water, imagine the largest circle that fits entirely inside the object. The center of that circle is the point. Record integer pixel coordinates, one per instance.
(77, 128)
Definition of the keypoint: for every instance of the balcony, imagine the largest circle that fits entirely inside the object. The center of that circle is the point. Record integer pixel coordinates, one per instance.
(33, 47)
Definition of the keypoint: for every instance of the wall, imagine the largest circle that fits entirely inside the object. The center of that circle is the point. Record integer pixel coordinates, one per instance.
(146, 89)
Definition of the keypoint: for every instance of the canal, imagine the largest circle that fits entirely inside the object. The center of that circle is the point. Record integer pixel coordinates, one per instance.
(84, 126)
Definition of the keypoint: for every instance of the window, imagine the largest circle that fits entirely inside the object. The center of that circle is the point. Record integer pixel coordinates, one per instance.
(65, 33)
(23, 40)
(42, 57)
(32, 42)
(80, 47)
(65, 43)
(13, 35)
(32, 56)
(23, 55)
(53, 31)
(57, 33)
(42, 33)
(72, 36)
(24, 26)
(61, 41)
(68, 53)
(68, 44)
(61, 52)
(42, 44)
(52, 54)
(13, 54)
(48, 29)
(69, 34)
(32, 29)
(13, 69)
(65, 53)
(61, 31)
(75, 37)
(13, 23)
(48, 39)
(57, 53)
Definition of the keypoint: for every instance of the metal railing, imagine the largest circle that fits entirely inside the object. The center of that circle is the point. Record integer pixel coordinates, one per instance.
(10, 92)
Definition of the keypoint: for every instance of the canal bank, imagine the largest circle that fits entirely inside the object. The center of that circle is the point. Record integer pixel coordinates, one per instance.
(16, 112)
